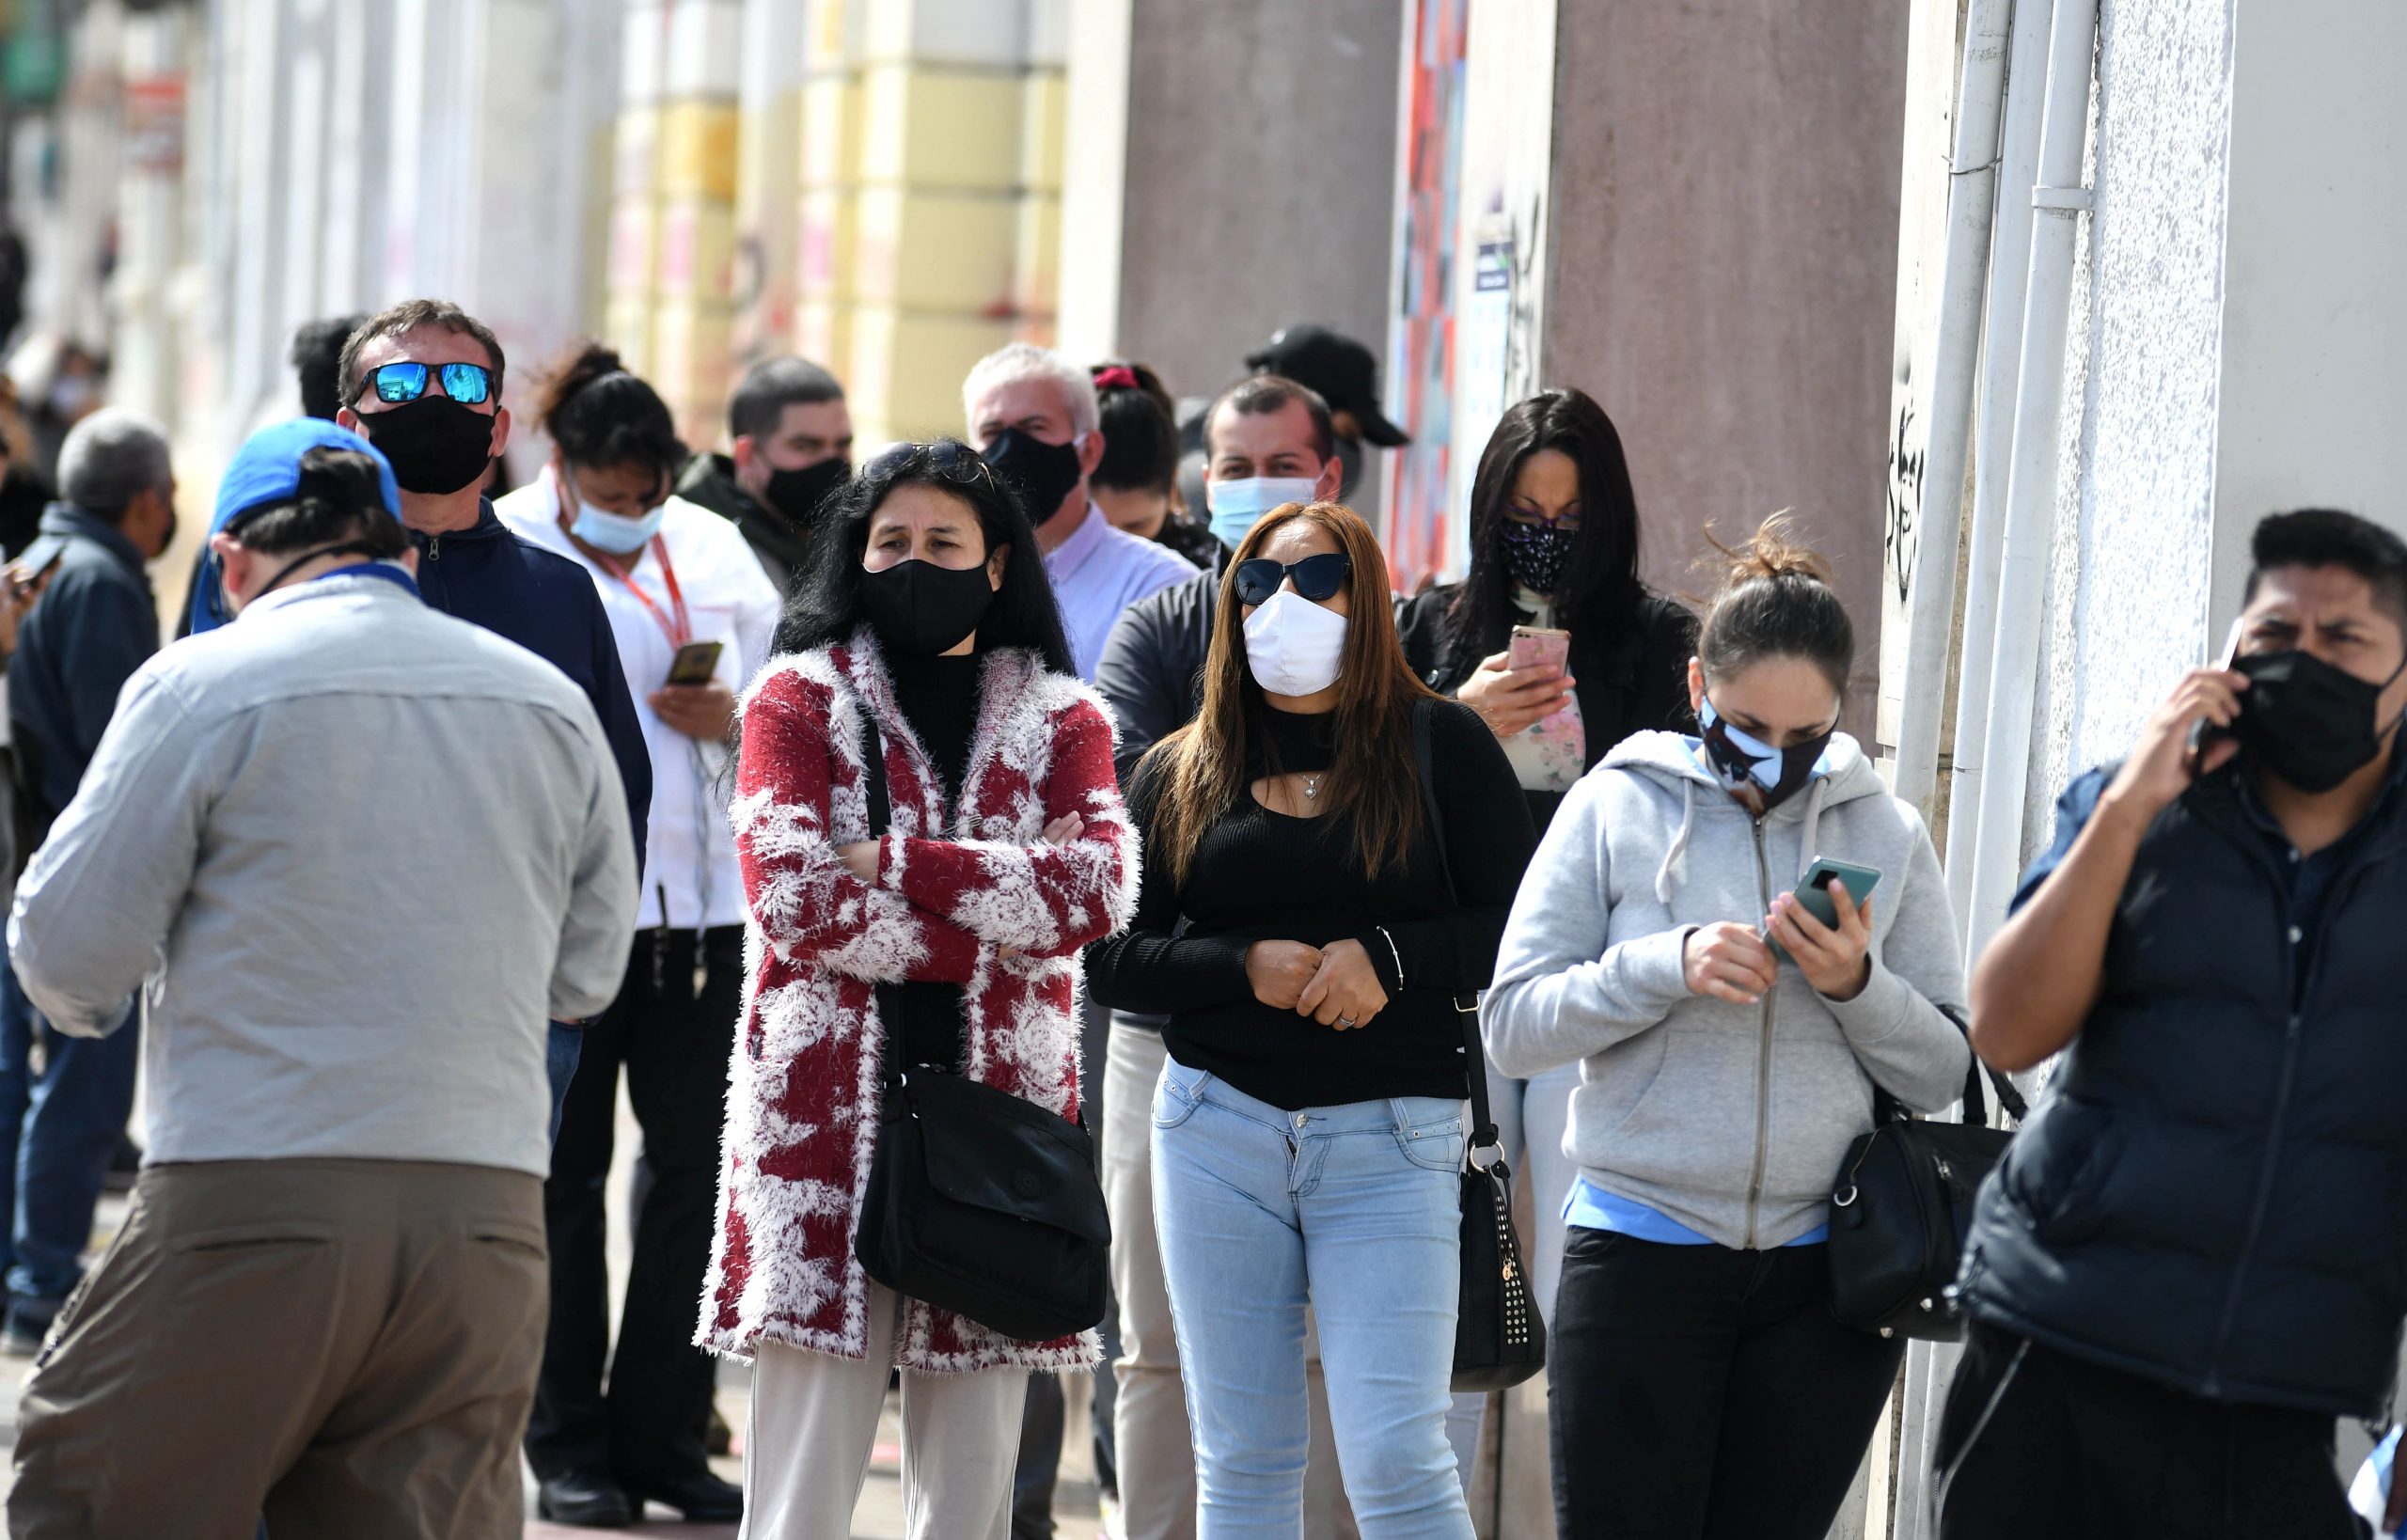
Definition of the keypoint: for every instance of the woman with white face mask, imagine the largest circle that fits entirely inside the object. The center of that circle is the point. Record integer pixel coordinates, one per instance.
(1296, 925)
(692, 615)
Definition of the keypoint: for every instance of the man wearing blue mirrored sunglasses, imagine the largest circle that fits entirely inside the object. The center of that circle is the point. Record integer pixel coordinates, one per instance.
(423, 383)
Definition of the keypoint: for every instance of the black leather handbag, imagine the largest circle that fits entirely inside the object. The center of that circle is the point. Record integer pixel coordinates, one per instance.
(978, 1202)
(1500, 1337)
(1901, 1205)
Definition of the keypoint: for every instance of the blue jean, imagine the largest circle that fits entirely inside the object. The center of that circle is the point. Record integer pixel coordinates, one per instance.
(562, 1047)
(1355, 1210)
(73, 1114)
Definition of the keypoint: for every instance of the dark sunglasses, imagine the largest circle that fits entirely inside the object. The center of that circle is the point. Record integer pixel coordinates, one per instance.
(1317, 577)
(470, 384)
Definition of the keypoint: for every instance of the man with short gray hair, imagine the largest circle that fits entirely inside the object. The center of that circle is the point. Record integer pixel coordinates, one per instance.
(95, 624)
(1032, 416)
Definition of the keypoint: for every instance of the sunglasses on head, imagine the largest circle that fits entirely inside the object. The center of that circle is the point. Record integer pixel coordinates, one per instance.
(470, 384)
(948, 459)
(1317, 577)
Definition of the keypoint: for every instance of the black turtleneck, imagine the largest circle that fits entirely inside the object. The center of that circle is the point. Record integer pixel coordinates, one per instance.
(940, 698)
(1261, 875)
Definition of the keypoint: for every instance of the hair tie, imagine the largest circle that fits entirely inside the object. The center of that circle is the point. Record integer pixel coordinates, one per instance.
(1118, 377)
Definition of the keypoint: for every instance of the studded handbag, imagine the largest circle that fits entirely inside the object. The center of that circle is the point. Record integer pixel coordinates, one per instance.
(1500, 1337)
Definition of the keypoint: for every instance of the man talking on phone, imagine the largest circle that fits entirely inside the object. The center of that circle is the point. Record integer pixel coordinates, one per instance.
(2195, 1257)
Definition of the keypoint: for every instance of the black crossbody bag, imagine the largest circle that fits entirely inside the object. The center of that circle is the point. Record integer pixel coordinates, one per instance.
(1901, 1205)
(978, 1202)
(1500, 1337)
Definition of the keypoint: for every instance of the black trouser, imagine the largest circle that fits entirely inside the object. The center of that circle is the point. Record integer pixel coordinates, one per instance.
(1038, 1469)
(1704, 1393)
(675, 1045)
(2036, 1443)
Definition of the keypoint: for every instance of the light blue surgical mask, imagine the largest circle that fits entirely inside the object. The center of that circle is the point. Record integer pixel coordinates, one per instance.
(615, 532)
(1238, 506)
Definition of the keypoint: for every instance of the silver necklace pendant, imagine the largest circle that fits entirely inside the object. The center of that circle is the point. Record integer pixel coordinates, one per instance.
(1312, 787)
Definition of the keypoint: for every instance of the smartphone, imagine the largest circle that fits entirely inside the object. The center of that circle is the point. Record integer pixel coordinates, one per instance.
(1536, 647)
(1813, 892)
(696, 663)
(2204, 734)
(37, 560)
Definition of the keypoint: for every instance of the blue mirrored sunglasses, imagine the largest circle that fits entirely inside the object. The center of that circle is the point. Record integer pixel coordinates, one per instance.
(469, 385)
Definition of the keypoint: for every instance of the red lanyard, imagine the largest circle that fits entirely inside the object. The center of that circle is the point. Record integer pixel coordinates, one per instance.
(676, 623)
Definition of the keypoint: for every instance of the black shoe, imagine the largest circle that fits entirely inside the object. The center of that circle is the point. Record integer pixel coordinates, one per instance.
(583, 1500)
(702, 1498)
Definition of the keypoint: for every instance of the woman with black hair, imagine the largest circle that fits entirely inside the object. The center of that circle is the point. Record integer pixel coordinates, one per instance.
(923, 657)
(692, 615)
(1137, 483)
(1553, 545)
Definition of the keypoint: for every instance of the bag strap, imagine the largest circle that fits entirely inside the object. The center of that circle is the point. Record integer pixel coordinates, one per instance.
(1484, 1132)
(881, 819)
(1887, 1108)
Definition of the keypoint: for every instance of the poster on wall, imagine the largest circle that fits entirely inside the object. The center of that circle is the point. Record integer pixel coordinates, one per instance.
(1420, 332)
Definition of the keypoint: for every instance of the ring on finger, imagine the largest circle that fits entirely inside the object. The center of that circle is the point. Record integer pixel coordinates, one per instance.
(1347, 1021)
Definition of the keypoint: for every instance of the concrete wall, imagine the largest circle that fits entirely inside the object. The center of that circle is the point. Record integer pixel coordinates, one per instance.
(1259, 178)
(2127, 601)
(2313, 408)
(1725, 217)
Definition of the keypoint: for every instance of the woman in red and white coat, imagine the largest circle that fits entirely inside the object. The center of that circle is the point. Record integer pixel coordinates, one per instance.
(925, 612)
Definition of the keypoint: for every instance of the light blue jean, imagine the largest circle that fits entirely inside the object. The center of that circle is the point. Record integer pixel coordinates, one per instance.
(1354, 1209)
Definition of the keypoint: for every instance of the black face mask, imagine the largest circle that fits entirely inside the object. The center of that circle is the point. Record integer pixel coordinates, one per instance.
(2307, 722)
(1743, 761)
(1536, 555)
(795, 496)
(921, 609)
(1039, 474)
(437, 446)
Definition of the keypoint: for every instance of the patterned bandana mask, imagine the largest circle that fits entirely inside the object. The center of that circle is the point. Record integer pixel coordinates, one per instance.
(1739, 761)
(1536, 555)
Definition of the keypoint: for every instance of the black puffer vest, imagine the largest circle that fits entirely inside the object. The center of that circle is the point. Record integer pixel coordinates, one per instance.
(2216, 1198)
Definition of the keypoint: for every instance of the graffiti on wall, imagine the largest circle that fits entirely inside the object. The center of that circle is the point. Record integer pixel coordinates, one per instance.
(1902, 531)
(1421, 334)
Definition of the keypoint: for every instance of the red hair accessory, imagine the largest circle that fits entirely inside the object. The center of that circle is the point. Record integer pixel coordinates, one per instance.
(1118, 377)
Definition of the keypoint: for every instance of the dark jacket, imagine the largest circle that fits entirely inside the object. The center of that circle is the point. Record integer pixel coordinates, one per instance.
(2216, 1198)
(1631, 680)
(1152, 669)
(710, 480)
(96, 623)
(488, 576)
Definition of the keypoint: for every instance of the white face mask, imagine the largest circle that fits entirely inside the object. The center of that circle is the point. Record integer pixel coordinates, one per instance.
(1236, 507)
(1293, 645)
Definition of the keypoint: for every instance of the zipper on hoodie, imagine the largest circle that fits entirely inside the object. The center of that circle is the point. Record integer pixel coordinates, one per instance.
(1763, 1066)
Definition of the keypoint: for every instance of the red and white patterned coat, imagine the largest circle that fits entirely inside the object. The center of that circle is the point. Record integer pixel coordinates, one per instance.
(804, 1085)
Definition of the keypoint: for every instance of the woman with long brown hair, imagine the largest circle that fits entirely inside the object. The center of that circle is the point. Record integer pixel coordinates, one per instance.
(1306, 933)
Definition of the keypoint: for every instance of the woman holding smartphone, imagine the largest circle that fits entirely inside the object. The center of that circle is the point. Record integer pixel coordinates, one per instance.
(1564, 652)
(692, 615)
(1306, 933)
(1701, 1386)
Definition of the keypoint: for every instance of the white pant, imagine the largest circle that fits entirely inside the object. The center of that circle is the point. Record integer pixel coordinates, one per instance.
(815, 1422)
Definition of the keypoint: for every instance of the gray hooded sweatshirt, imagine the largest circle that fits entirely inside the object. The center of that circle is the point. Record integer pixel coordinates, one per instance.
(1731, 1120)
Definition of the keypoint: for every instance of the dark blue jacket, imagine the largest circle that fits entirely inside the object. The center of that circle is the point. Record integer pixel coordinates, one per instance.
(93, 627)
(546, 604)
(2216, 1197)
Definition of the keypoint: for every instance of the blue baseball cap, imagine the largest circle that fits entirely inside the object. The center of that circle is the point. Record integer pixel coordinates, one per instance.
(266, 471)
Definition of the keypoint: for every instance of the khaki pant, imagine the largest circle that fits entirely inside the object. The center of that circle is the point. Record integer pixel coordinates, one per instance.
(346, 1347)
(1156, 1452)
(814, 1425)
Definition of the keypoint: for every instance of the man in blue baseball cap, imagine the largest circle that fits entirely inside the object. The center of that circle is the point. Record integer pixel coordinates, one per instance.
(327, 1303)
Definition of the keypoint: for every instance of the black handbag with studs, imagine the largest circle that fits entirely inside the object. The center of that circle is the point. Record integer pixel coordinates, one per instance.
(1500, 1337)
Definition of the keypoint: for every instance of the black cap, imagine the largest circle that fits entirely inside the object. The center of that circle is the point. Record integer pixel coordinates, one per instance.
(1341, 369)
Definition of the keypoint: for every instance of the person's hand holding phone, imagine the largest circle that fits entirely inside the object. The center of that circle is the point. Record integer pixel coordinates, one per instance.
(1835, 960)
(2173, 751)
(1728, 962)
(1512, 699)
(23, 588)
(703, 712)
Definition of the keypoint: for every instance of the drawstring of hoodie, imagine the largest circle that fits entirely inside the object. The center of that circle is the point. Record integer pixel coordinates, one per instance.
(1679, 842)
(1810, 834)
